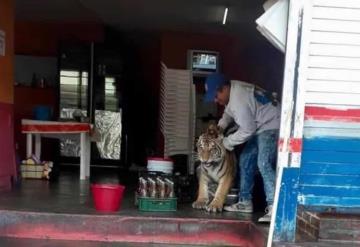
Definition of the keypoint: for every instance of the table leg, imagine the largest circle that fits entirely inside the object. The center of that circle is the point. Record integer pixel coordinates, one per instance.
(38, 146)
(84, 156)
(28, 145)
(88, 154)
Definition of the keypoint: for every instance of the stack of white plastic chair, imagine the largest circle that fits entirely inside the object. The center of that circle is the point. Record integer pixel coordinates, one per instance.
(177, 114)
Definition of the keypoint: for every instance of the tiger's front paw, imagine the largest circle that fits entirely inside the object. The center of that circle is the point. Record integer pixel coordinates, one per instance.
(200, 203)
(214, 207)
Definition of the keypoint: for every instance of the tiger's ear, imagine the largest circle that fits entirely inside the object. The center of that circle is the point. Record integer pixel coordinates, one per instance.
(198, 140)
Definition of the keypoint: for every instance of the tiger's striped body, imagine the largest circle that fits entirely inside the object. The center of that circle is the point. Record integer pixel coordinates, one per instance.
(217, 166)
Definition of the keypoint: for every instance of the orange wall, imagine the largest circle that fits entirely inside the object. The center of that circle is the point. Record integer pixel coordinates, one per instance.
(7, 147)
(6, 62)
(42, 38)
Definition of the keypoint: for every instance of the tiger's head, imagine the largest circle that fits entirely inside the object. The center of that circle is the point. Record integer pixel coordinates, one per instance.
(209, 146)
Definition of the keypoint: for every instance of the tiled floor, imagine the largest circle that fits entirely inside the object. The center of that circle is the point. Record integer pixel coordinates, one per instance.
(68, 195)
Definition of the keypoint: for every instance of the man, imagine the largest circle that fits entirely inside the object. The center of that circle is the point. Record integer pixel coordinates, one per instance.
(257, 116)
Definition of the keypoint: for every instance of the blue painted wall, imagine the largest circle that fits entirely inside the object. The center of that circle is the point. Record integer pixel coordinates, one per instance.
(330, 172)
(329, 178)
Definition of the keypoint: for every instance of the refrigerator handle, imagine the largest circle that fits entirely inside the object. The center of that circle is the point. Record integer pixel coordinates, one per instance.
(91, 84)
(126, 149)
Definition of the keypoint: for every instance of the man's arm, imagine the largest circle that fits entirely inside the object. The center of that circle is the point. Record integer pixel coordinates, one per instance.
(245, 119)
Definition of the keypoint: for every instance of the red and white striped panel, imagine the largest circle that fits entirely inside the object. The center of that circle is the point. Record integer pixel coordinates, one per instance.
(328, 114)
(322, 121)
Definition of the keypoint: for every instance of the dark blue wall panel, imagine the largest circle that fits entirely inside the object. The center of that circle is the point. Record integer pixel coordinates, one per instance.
(330, 172)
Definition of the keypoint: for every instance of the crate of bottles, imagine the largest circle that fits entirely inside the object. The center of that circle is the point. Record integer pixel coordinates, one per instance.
(156, 193)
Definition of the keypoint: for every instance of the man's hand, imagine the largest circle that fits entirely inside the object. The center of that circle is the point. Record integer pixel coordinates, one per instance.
(221, 130)
(227, 144)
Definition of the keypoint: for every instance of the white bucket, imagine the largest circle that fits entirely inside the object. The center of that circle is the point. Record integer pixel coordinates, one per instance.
(155, 164)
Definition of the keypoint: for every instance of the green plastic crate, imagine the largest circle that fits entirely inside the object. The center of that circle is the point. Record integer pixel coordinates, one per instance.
(157, 204)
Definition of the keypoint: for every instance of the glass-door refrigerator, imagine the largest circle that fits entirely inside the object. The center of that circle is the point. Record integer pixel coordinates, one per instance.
(90, 85)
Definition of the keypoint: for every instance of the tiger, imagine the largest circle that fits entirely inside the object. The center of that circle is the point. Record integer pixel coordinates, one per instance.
(217, 166)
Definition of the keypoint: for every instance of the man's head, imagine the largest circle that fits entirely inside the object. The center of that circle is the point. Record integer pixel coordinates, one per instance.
(217, 89)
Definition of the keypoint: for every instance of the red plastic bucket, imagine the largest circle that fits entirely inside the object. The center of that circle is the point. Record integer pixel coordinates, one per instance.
(107, 197)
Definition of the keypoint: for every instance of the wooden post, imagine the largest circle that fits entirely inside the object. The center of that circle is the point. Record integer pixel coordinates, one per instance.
(283, 222)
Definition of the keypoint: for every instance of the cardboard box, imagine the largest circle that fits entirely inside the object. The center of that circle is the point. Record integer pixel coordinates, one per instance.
(32, 171)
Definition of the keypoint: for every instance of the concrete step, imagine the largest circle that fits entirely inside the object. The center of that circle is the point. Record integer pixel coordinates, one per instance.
(27, 242)
(316, 244)
(129, 229)
(339, 227)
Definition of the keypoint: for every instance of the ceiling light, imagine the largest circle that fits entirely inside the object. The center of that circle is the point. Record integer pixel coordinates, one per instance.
(225, 15)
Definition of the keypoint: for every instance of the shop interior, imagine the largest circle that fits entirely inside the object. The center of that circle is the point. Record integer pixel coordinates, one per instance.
(106, 63)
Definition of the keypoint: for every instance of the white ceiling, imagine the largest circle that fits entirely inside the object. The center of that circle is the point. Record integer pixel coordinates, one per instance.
(195, 15)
